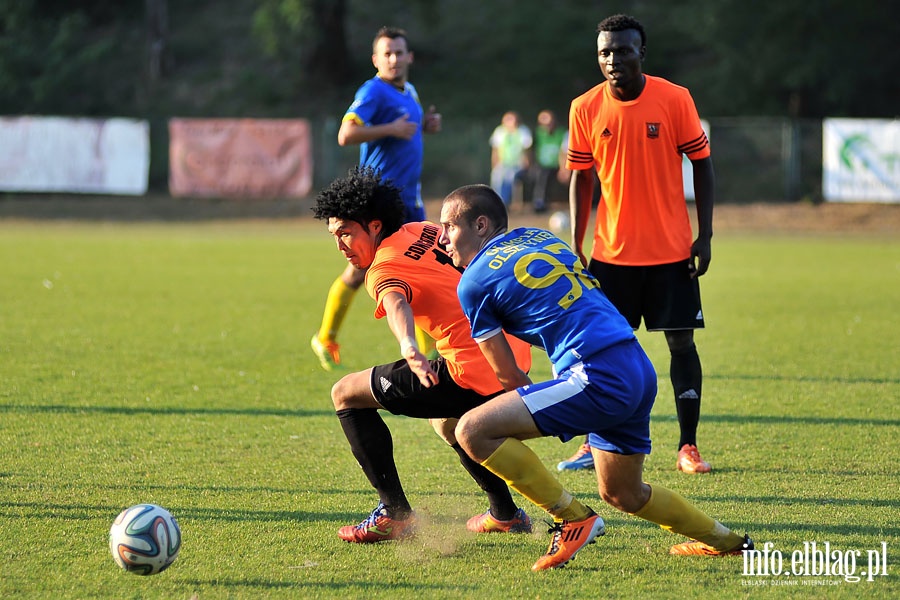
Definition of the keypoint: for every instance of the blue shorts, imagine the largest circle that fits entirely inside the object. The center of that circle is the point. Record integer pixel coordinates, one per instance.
(608, 395)
(414, 213)
(415, 208)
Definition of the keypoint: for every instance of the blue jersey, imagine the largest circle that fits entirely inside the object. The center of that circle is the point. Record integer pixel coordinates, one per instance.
(529, 283)
(378, 102)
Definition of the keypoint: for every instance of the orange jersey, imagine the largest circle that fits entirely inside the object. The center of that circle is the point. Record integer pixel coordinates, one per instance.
(411, 262)
(637, 148)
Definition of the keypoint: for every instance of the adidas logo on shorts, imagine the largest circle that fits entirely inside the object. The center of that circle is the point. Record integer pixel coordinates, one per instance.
(385, 384)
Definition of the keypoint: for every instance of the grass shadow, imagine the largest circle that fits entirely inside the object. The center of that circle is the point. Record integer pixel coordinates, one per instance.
(168, 410)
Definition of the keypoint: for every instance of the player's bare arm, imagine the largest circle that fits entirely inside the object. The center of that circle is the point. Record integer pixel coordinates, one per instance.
(499, 354)
(704, 193)
(400, 320)
(581, 190)
(352, 133)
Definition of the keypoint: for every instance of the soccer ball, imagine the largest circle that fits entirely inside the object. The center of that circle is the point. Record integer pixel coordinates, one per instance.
(144, 539)
(559, 222)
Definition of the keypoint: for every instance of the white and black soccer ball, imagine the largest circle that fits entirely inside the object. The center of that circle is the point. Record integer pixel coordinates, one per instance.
(145, 539)
(559, 222)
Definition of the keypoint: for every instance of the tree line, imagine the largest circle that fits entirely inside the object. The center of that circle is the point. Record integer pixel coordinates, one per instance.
(281, 58)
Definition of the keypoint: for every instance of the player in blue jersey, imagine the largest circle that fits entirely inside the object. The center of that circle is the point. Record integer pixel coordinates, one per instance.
(386, 120)
(530, 284)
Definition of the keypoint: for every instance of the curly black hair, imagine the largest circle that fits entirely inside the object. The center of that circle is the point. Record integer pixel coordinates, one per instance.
(362, 196)
(622, 23)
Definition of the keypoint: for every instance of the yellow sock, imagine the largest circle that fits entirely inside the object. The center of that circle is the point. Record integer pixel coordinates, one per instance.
(336, 305)
(523, 471)
(425, 341)
(673, 513)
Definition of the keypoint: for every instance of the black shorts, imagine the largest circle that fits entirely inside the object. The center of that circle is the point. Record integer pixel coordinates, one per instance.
(666, 296)
(400, 392)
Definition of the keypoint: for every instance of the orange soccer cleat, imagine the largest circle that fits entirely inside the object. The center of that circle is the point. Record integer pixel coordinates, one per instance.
(689, 460)
(378, 527)
(486, 523)
(568, 538)
(695, 548)
(328, 353)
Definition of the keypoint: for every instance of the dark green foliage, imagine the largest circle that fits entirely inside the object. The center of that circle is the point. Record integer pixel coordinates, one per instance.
(474, 58)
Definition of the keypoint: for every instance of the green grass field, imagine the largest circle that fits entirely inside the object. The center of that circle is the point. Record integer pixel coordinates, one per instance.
(170, 364)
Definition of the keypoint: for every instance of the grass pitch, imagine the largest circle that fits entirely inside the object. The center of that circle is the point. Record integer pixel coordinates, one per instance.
(170, 364)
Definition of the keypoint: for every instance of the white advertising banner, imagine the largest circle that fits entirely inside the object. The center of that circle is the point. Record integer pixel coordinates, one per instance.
(861, 160)
(58, 154)
(687, 171)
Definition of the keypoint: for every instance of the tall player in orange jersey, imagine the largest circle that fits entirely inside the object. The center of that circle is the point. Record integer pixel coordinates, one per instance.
(413, 282)
(633, 129)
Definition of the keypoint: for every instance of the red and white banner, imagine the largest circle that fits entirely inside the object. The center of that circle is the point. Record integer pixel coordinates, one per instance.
(245, 158)
(58, 154)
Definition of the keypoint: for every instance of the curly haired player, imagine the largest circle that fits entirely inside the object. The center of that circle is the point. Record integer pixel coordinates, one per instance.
(387, 121)
(413, 283)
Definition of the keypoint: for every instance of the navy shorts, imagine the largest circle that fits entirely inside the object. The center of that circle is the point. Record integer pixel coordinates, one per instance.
(666, 296)
(608, 395)
(400, 392)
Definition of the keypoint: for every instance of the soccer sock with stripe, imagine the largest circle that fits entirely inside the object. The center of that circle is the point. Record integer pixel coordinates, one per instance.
(336, 306)
(673, 513)
(372, 446)
(503, 507)
(686, 374)
(524, 472)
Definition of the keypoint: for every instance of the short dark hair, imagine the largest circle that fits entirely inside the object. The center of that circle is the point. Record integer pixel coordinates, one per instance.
(362, 196)
(477, 200)
(392, 33)
(622, 23)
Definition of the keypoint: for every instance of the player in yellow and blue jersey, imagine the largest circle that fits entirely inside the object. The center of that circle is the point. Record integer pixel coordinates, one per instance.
(531, 285)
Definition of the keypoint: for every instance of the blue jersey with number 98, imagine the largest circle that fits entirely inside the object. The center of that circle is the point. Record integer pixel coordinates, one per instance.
(529, 283)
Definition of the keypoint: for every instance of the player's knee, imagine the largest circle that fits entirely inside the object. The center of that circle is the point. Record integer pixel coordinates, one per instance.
(624, 498)
(445, 428)
(343, 394)
(680, 341)
(338, 395)
(465, 432)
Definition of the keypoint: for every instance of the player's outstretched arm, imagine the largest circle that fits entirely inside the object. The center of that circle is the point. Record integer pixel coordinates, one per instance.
(400, 319)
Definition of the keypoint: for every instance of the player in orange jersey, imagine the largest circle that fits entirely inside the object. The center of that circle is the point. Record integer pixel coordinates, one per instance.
(633, 129)
(413, 282)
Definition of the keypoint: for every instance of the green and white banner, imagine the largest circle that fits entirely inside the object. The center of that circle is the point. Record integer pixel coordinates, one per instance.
(861, 160)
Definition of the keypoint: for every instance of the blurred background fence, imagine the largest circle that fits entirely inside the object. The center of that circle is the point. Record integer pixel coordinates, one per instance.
(756, 159)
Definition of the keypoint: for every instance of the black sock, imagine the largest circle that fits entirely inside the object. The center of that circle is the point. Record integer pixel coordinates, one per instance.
(687, 382)
(502, 506)
(372, 445)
